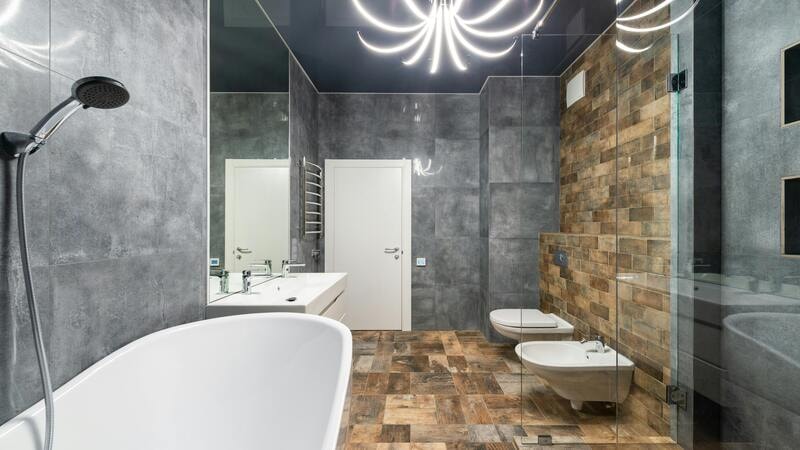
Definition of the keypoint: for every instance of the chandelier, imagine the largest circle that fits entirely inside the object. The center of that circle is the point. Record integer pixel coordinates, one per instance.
(443, 27)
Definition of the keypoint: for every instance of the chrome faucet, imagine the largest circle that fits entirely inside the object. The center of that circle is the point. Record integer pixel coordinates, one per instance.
(287, 265)
(248, 275)
(599, 343)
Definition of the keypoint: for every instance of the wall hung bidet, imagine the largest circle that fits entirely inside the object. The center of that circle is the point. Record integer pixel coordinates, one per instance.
(91, 92)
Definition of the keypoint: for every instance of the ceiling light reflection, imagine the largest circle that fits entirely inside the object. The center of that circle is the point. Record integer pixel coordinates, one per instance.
(424, 171)
(10, 11)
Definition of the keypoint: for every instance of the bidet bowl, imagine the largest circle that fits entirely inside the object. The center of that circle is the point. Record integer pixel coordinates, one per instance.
(577, 374)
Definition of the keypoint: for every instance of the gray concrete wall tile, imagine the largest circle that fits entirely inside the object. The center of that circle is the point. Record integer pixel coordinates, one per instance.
(457, 212)
(457, 116)
(117, 199)
(522, 210)
(513, 266)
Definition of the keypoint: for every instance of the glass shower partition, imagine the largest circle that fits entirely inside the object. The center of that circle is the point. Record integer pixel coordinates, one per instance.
(736, 281)
(566, 178)
(675, 225)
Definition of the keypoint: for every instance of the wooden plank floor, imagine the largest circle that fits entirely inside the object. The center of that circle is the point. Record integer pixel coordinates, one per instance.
(443, 390)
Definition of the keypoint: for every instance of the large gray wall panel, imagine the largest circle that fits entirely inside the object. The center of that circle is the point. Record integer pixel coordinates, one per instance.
(117, 200)
(518, 188)
(445, 206)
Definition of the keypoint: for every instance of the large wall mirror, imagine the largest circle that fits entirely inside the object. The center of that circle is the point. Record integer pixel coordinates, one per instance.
(249, 145)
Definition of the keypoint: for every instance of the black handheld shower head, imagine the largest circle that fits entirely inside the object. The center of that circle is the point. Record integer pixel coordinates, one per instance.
(89, 92)
(100, 92)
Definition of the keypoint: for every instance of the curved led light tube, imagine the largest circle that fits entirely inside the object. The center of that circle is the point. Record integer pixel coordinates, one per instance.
(629, 49)
(451, 42)
(662, 26)
(479, 51)
(383, 25)
(442, 29)
(428, 36)
(396, 49)
(437, 42)
(488, 14)
(659, 7)
(415, 9)
(501, 33)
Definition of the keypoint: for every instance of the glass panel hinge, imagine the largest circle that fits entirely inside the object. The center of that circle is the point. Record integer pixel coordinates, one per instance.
(676, 82)
(677, 396)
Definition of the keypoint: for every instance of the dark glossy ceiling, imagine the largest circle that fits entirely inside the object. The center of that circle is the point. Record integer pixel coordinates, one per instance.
(247, 54)
(322, 35)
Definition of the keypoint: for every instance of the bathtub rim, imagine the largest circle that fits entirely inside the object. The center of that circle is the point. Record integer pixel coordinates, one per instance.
(31, 415)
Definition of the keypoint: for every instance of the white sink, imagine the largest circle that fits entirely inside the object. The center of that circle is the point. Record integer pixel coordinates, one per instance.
(310, 293)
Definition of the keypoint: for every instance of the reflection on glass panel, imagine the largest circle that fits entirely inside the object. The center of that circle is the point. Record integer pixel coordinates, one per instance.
(737, 282)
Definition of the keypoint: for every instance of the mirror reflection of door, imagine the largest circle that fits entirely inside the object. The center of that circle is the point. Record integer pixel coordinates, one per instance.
(256, 212)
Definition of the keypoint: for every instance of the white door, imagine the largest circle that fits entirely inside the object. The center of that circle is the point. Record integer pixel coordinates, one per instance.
(256, 212)
(368, 236)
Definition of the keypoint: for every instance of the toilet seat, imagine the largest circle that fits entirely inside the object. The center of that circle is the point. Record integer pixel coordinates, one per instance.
(530, 324)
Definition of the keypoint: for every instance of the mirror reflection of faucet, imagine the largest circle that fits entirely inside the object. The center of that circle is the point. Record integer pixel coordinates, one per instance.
(287, 265)
(224, 282)
(224, 279)
(267, 266)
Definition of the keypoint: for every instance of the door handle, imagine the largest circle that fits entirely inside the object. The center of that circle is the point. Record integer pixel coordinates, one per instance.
(391, 250)
(243, 250)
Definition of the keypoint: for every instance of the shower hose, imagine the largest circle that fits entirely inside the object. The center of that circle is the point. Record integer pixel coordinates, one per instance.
(47, 384)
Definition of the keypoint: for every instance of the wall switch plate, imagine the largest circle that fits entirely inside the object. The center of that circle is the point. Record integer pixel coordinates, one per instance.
(214, 262)
(422, 262)
(560, 258)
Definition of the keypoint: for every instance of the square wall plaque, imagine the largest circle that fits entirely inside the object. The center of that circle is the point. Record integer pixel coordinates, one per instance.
(790, 217)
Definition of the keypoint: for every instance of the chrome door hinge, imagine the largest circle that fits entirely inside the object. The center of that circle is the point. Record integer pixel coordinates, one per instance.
(677, 396)
(676, 82)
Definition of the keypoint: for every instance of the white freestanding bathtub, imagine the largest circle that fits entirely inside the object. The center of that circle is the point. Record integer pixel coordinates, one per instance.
(255, 381)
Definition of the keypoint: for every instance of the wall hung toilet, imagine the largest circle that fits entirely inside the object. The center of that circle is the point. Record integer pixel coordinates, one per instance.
(578, 373)
(530, 325)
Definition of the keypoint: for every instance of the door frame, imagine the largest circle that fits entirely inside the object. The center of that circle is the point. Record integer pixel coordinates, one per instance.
(230, 192)
(405, 244)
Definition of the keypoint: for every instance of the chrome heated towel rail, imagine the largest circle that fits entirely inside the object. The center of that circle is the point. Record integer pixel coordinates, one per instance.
(313, 194)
